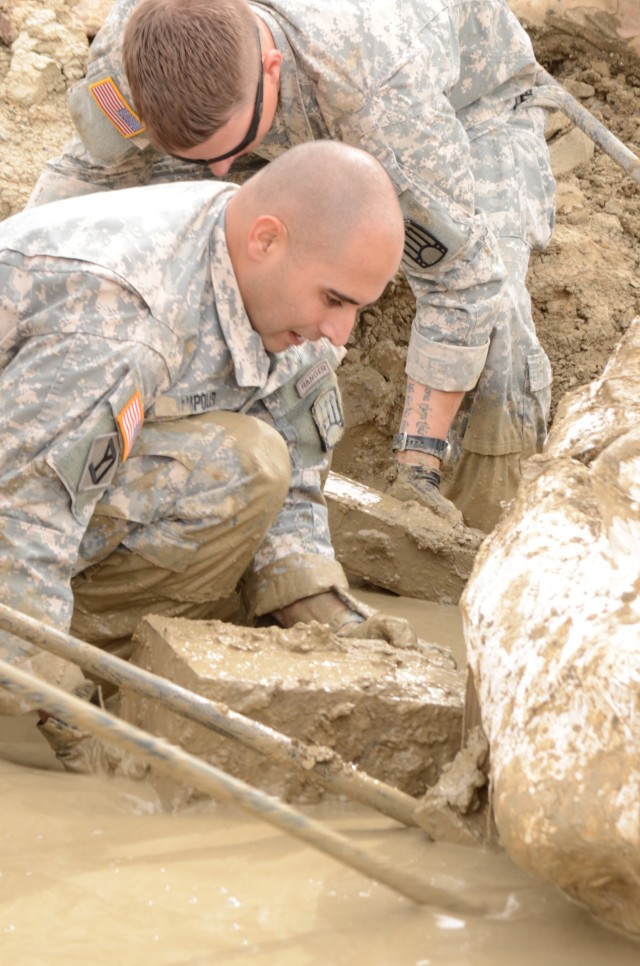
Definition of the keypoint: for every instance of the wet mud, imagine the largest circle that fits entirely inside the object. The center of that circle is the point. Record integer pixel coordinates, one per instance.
(108, 875)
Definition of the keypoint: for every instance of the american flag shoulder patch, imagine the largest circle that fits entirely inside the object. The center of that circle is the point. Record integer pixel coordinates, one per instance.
(130, 420)
(113, 105)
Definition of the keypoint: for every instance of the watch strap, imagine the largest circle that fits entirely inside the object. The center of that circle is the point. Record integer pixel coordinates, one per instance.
(422, 444)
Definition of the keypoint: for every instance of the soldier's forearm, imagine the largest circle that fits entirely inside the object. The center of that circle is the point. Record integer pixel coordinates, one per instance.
(427, 412)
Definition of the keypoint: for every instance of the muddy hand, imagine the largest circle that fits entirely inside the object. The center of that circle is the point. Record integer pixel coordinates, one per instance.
(423, 485)
(381, 627)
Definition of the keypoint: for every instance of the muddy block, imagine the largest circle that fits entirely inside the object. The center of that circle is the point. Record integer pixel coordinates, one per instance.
(398, 545)
(396, 714)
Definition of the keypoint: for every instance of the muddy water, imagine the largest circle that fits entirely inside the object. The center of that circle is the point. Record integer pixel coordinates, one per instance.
(92, 872)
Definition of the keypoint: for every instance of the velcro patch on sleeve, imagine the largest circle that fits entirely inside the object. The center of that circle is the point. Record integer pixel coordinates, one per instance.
(101, 463)
(113, 105)
(329, 418)
(421, 248)
(130, 420)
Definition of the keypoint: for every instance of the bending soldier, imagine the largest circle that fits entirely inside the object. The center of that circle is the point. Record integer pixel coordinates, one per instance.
(168, 401)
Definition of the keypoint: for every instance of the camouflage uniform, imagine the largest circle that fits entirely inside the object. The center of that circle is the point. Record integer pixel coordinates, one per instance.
(152, 450)
(434, 89)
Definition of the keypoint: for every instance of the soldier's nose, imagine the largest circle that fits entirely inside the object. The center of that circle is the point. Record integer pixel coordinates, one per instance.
(337, 331)
(220, 168)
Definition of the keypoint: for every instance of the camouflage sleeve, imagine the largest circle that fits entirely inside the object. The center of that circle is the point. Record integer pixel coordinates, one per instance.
(296, 559)
(78, 172)
(110, 149)
(71, 407)
(451, 256)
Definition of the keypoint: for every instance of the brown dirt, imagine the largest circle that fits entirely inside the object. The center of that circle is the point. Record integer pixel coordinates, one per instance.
(585, 288)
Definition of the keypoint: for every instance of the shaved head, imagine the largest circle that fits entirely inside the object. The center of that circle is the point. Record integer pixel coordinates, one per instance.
(314, 236)
(325, 192)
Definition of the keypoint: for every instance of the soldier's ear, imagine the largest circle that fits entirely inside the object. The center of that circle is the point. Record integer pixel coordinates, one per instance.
(268, 235)
(271, 64)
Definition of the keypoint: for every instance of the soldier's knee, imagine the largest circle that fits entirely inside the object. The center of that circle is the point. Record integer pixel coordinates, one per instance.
(265, 459)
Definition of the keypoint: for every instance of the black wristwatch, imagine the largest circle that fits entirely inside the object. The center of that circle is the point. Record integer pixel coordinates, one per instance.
(439, 448)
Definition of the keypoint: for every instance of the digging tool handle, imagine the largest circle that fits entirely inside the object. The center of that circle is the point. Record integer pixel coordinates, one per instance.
(180, 765)
(336, 775)
(551, 94)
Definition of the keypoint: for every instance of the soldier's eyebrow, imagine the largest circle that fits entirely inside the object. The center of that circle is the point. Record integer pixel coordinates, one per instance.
(342, 298)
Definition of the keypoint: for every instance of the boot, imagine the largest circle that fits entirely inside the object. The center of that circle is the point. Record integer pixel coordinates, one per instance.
(82, 752)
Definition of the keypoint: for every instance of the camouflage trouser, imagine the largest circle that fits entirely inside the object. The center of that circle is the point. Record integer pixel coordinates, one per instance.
(175, 535)
(504, 419)
(181, 562)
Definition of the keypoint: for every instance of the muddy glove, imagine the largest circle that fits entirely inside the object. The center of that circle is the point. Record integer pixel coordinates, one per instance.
(422, 484)
(347, 617)
(360, 620)
(380, 627)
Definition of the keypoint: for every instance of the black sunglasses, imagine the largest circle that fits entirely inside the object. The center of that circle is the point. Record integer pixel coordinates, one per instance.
(251, 133)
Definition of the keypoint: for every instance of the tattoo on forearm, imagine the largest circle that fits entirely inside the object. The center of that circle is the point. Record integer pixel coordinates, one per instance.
(417, 406)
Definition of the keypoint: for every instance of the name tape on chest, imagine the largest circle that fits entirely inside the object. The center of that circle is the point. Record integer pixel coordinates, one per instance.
(198, 402)
(312, 377)
(113, 105)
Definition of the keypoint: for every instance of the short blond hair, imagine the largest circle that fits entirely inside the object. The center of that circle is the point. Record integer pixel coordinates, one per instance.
(190, 65)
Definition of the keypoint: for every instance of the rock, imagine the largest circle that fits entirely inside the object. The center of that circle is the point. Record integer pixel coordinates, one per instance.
(579, 89)
(31, 76)
(398, 545)
(569, 151)
(92, 14)
(569, 198)
(396, 713)
(552, 624)
(48, 53)
(456, 808)
(557, 123)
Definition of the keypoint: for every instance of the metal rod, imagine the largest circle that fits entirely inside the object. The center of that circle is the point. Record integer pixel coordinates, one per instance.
(550, 93)
(180, 765)
(332, 772)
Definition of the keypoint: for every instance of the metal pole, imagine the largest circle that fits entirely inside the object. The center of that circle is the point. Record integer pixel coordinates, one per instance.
(324, 765)
(178, 764)
(551, 94)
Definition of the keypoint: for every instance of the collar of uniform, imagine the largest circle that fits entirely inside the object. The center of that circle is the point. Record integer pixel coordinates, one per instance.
(250, 359)
(291, 124)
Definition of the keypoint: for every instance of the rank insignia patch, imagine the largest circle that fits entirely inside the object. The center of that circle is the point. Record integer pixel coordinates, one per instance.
(101, 463)
(113, 105)
(130, 420)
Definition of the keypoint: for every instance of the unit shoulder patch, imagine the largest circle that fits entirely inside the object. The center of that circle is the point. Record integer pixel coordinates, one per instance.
(101, 463)
(328, 417)
(421, 248)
